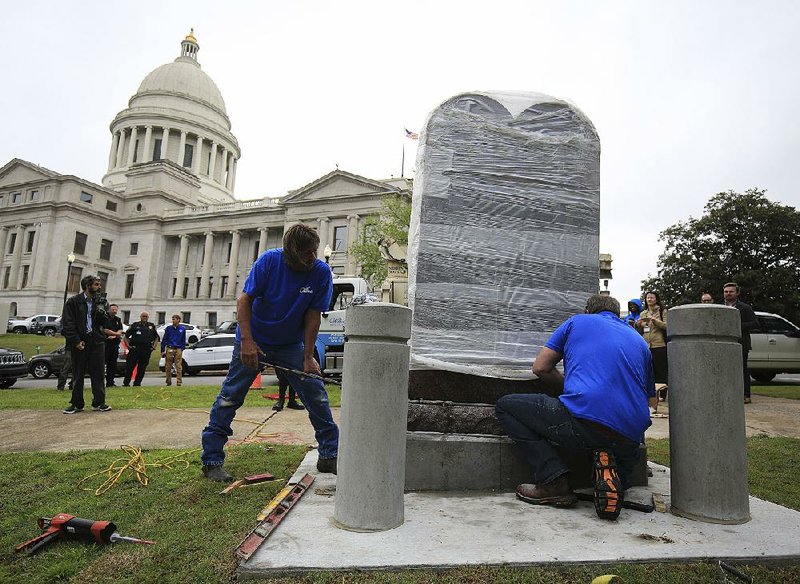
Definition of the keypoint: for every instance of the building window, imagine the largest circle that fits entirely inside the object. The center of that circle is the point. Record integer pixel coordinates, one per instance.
(129, 285)
(134, 249)
(230, 247)
(34, 196)
(12, 242)
(185, 287)
(6, 277)
(202, 253)
(188, 155)
(80, 243)
(212, 320)
(126, 316)
(161, 317)
(337, 270)
(255, 250)
(136, 151)
(86, 197)
(157, 149)
(224, 287)
(105, 249)
(340, 238)
(29, 243)
(211, 287)
(174, 286)
(111, 206)
(74, 280)
(26, 270)
(16, 198)
(186, 317)
(197, 288)
(103, 276)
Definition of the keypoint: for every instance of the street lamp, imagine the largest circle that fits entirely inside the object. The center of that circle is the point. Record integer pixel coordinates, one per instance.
(328, 252)
(70, 261)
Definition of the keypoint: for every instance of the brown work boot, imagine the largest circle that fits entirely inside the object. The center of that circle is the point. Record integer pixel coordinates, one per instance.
(555, 492)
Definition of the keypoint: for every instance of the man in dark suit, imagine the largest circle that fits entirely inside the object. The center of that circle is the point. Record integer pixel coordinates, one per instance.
(730, 293)
(83, 321)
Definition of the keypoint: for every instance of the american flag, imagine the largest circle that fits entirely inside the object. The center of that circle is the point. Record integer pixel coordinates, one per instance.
(412, 135)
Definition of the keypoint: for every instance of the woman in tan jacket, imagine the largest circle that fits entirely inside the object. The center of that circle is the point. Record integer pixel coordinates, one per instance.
(653, 325)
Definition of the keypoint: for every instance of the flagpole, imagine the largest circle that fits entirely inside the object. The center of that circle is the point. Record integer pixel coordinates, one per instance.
(403, 164)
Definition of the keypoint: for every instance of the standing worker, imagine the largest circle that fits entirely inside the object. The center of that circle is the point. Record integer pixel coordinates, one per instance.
(730, 293)
(172, 346)
(83, 320)
(114, 334)
(279, 313)
(142, 340)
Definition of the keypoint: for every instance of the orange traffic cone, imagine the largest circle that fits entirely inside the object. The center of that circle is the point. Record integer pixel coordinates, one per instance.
(135, 369)
(256, 382)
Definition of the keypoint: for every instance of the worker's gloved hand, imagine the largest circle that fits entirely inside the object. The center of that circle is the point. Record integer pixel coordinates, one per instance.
(310, 365)
(249, 352)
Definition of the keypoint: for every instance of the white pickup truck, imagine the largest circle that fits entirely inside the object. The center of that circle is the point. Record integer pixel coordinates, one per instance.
(331, 330)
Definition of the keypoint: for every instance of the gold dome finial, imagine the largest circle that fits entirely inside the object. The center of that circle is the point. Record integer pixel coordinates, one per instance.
(190, 36)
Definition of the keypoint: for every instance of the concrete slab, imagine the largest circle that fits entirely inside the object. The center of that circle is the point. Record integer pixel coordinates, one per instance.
(449, 529)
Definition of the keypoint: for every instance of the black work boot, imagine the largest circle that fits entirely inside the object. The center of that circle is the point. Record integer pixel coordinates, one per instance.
(217, 473)
(278, 405)
(556, 492)
(327, 465)
(608, 492)
(293, 405)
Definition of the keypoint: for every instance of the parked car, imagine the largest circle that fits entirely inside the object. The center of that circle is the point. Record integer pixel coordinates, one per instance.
(193, 333)
(211, 353)
(22, 325)
(46, 364)
(228, 326)
(49, 328)
(776, 347)
(12, 367)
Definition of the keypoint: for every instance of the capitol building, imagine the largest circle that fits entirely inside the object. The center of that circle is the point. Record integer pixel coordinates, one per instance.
(163, 230)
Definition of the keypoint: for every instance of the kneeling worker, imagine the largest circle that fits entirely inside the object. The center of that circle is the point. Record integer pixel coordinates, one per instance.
(279, 313)
(603, 406)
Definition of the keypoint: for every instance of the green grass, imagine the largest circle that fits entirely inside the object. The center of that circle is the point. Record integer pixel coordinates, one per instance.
(28, 343)
(197, 530)
(144, 397)
(772, 467)
(785, 391)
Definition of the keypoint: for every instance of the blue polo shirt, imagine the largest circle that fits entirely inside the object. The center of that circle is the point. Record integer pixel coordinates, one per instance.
(282, 296)
(174, 336)
(608, 372)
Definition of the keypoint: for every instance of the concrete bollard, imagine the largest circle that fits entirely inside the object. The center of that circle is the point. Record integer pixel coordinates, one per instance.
(372, 442)
(707, 440)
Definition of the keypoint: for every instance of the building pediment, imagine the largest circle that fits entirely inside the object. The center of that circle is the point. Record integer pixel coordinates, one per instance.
(338, 184)
(19, 171)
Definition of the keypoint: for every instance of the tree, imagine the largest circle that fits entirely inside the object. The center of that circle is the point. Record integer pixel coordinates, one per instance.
(741, 237)
(391, 226)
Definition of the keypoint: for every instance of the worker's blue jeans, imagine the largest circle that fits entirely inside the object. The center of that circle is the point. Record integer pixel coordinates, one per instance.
(536, 422)
(234, 390)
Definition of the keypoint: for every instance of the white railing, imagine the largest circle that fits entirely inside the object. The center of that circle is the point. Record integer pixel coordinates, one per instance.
(223, 207)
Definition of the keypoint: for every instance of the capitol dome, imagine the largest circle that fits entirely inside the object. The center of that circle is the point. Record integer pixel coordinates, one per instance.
(177, 115)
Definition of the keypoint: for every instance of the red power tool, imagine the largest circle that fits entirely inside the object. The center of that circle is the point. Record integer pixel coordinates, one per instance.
(69, 526)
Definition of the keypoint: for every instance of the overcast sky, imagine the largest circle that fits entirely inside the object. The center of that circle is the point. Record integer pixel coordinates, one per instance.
(689, 98)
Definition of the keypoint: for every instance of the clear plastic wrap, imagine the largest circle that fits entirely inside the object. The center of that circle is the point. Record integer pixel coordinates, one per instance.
(504, 235)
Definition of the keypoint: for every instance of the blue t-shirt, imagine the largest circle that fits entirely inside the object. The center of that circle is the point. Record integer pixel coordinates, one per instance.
(282, 296)
(608, 372)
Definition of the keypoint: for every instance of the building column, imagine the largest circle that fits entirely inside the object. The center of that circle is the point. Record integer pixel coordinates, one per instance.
(233, 180)
(223, 159)
(229, 166)
(182, 149)
(323, 236)
(120, 149)
(213, 161)
(206, 272)
(262, 239)
(147, 152)
(233, 265)
(16, 259)
(112, 155)
(35, 253)
(3, 244)
(132, 145)
(181, 275)
(198, 154)
(164, 142)
(352, 237)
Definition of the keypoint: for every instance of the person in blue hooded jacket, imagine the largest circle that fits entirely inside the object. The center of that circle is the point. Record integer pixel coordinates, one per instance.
(634, 311)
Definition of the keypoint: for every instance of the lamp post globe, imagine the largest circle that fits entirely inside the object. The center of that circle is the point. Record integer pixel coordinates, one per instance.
(328, 252)
(70, 261)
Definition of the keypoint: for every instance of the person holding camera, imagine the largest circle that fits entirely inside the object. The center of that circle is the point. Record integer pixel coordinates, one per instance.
(142, 340)
(84, 320)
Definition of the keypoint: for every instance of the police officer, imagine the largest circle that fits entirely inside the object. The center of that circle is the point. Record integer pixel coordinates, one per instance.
(142, 339)
(114, 335)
